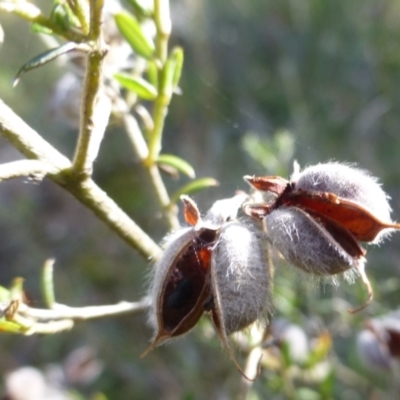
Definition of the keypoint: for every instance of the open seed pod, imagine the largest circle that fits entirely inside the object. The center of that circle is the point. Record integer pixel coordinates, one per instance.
(318, 218)
(217, 265)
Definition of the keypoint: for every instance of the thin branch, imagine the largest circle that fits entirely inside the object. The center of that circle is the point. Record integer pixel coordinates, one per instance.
(95, 107)
(88, 193)
(163, 25)
(33, 169)
(28, 141)
(62, 312)
(33, 146)
(29, 321)
(154, 178)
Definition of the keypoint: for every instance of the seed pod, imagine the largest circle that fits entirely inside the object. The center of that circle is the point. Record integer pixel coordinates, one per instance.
(218, 265)
(347, 182)
(318, 218)
(378, 345)
(240, 278)
(180, 284)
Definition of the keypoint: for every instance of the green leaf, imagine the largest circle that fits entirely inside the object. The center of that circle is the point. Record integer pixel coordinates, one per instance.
(193, 187)
(63, 16)
(136, 84)
(177, 55)
(177, 163)
(11, 327)
(44, 58)
(144, 7)
(167, 78)
(37, 28)
(131, 30)
(171, 72)
(152, 73)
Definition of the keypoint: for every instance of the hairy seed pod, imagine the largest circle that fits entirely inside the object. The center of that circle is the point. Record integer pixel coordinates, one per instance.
(240, 278)
(347, 182)
(318, 218)
(217, 265)
(307, 244)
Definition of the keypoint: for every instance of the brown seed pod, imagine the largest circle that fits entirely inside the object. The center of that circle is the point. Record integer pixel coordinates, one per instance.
(180, 284)
(218, 265)
(318, 218)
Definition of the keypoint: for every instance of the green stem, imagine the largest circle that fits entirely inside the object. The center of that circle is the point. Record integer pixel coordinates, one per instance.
(88, 143)
(163, 25)
(154, 178)
(155, 142)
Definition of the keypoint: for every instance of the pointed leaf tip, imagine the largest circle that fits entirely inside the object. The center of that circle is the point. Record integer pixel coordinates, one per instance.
(132, 31)
(136, 84)
(177, 163)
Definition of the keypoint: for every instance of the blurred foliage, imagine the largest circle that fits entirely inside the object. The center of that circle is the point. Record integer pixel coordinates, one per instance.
(264, 83)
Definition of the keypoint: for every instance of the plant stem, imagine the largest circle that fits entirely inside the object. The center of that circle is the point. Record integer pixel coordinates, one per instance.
(60, 311)
(33, 146)
(154, 178)
(94, 109)
(163, 26)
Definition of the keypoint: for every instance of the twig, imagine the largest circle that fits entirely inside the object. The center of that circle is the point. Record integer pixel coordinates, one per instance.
(88, 193)
(33, 169)
(28, 141)
(62, 312)
(33, 146)
(154, 178)
(96, 107)
(251, 371)
(62, 318)
(163, 25)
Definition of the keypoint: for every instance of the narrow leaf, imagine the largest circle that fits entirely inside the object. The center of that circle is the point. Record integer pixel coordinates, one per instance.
(44, 58)
(38, 28)
(136, 84)
(177, 163)
(177, 55)
(193, 187)
(152, 73)
(131, 30)
(11, 327)
(167, 78)
(144, 7)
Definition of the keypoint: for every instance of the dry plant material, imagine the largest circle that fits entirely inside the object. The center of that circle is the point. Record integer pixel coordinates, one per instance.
(216, 265)
(318, 218)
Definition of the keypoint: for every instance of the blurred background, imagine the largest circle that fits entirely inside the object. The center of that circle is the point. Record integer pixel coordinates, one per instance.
(264, 83)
